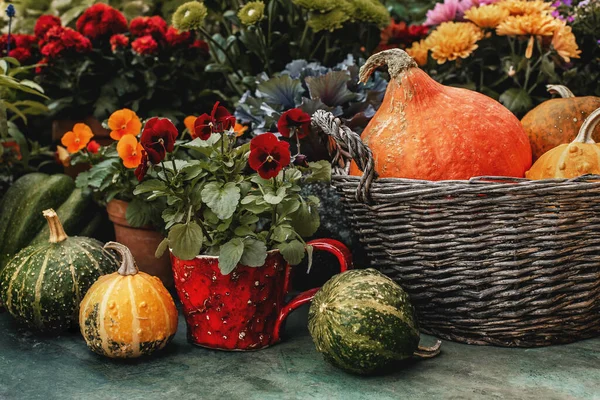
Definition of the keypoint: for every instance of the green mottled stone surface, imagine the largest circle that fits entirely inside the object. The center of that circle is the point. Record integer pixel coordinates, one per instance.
(33, 367)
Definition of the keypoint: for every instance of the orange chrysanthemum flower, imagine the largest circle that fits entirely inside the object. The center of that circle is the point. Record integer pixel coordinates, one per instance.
(130, 151)
(124, 122)
(239, 129)
(418, 51)
(486, 16)
(189, 123)
(564, 43)
(453, 40)
(525, 7)
(528, 25)
(78, 138)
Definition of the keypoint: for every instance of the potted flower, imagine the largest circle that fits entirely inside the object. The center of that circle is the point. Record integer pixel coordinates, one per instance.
(236, 221)
(108, 171)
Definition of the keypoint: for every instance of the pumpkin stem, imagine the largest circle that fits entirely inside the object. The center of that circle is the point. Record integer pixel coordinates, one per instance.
(587, 128)
(128, 266)
(428, 352)
(57, 232)
(560, 90)
(397, 61)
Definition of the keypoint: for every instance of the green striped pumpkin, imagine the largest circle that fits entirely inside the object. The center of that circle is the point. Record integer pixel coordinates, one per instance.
(44, 283)
(362, 322)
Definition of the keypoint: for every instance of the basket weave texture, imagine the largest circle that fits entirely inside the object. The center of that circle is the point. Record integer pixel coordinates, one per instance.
(501, 261)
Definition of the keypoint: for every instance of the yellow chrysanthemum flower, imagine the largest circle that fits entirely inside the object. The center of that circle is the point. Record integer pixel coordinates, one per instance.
(528, 25)
(452, 40)
(487, 16)
(418, 51)
(525, 7)
(564, 43)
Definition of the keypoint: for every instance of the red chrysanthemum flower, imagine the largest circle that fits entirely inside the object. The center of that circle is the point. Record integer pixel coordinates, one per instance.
(142, 169)
(21, 54)
(219, 120)
(200, 45)
(174, 38)
(158, 138)
(24, 41)
(118, 42)
(268, 155)
(294, 121)
(101, 20)
(12, 146)
(143, 26)
(145, 45)
(44, 24)
(59, 40)
(93, 147)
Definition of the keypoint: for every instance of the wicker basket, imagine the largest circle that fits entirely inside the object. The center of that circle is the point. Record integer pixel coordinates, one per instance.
(500, 261)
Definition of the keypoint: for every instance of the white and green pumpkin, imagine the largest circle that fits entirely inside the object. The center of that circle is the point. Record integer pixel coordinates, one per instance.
(363, 322)
(44, 283)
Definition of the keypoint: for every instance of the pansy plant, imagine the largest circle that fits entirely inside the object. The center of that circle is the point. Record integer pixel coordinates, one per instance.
(235, 201)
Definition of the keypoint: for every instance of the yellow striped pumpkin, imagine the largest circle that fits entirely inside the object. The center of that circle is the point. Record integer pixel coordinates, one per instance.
(128, 313)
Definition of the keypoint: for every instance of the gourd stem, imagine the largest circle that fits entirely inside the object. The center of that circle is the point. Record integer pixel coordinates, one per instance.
(128, 266)
(57, 232)
(397, 61)
(428, 352)
(587, 128)
(560, 90)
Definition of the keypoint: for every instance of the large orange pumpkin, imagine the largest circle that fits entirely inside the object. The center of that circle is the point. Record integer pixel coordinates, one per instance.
(424, 130)
(557, 121)
(128, 313)
(580, 157)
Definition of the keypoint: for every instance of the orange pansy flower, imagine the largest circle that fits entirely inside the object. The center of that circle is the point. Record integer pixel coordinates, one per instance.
(189, 123)
(78, 138)
(130, 151)
(239, 129)
(124, 122)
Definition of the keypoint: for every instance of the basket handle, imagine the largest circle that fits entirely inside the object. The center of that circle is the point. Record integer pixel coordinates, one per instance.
(348, 146)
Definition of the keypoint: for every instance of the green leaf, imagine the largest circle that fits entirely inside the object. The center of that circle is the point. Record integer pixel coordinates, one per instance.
(306, 219)
(320, 171)
(152, 185)
(222, 200)
(230, 255)
(288, 207)
(293, 251)
(282, 233)
(516, 100)
(162, 247)
(138, 213)
(217, 68)
(281, 90)
(331, 88)
(274, 199)
(186, 240)
(255, 253)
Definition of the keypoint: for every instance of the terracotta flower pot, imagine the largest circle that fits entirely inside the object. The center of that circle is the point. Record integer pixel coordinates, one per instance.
(142, 242)
(244, 310)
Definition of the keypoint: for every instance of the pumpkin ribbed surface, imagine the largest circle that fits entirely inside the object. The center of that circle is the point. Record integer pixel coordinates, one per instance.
(424, 130)
(43, 284)
(126, 316)
(362, 321)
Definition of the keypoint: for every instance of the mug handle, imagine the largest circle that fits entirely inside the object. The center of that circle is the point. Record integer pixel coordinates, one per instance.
(332, 246)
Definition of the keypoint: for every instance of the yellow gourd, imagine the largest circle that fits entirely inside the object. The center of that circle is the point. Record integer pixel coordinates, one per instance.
(128, 313)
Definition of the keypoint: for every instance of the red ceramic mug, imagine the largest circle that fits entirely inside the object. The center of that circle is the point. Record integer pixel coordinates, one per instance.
(245, 309)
